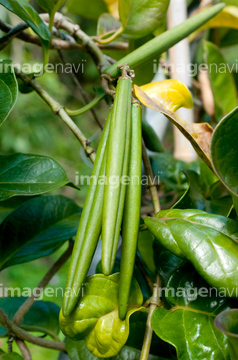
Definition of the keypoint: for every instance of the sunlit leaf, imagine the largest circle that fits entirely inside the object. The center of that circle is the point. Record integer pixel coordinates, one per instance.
(209, 242)
(167, 98)
(141, 17)
(221, 79)
(95, 318)
(113, 7)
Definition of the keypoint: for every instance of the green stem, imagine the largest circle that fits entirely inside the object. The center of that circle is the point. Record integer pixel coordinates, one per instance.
(163, 42)
(58, 109)
(85, 108)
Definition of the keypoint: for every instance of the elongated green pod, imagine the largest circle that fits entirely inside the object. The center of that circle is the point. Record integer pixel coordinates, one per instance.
(131, 217)
(152, 142)
(114, 169)
(124, 183)
(89, 227)
(163, 42)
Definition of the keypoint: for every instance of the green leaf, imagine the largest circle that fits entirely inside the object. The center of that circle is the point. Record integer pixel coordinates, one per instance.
(7, 206)
(227, 322)
(10, 356)
(37, 228)
(28, 14)
(189, 325)
(95, 318)
(77, 350)
(224, 152)
(22, 174)
(145, 248)
(141, 17)
(166, 262)
(42, 317)
(221, 79)
(196, 197)
(8, 89)
(84, 9)
(209, 242)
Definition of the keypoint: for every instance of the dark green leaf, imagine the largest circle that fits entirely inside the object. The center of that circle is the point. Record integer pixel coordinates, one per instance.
(221, 79)
(37, 228)
(7, 83)
(26, 12)
(224, 152)
(141, 17)
(10, 356)
(189, 325)
(168, 169)
(95, 318)
(82, 8)
(43, 315)
(77, 350)
(209, 242)
(22, 174)
(195, 196)
(227, 322)
(9, 205)
(166, 262)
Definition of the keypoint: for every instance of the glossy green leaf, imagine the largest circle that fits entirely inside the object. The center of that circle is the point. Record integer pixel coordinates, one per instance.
(77, 350)
(141, 17)
(7, 206)
(227, 322)
(37, 228)
(28, 14)
(95, 318)
(22, 174)
(8, 89)
(209, 242)
(90, 10)
(224, 152)
(221, 79)
(10, 356)
(196, 196)
(189, 325)
(42, 317)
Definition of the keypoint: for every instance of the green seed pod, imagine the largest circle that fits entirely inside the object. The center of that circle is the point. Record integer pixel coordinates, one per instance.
(113, 196)
(89, 227)
(131, 217)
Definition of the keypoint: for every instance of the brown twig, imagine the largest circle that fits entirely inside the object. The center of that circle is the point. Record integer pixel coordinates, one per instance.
(81, 89)
(149, 173)
(25, 336)
(25, 307)
(154, 303)
(24, 349)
